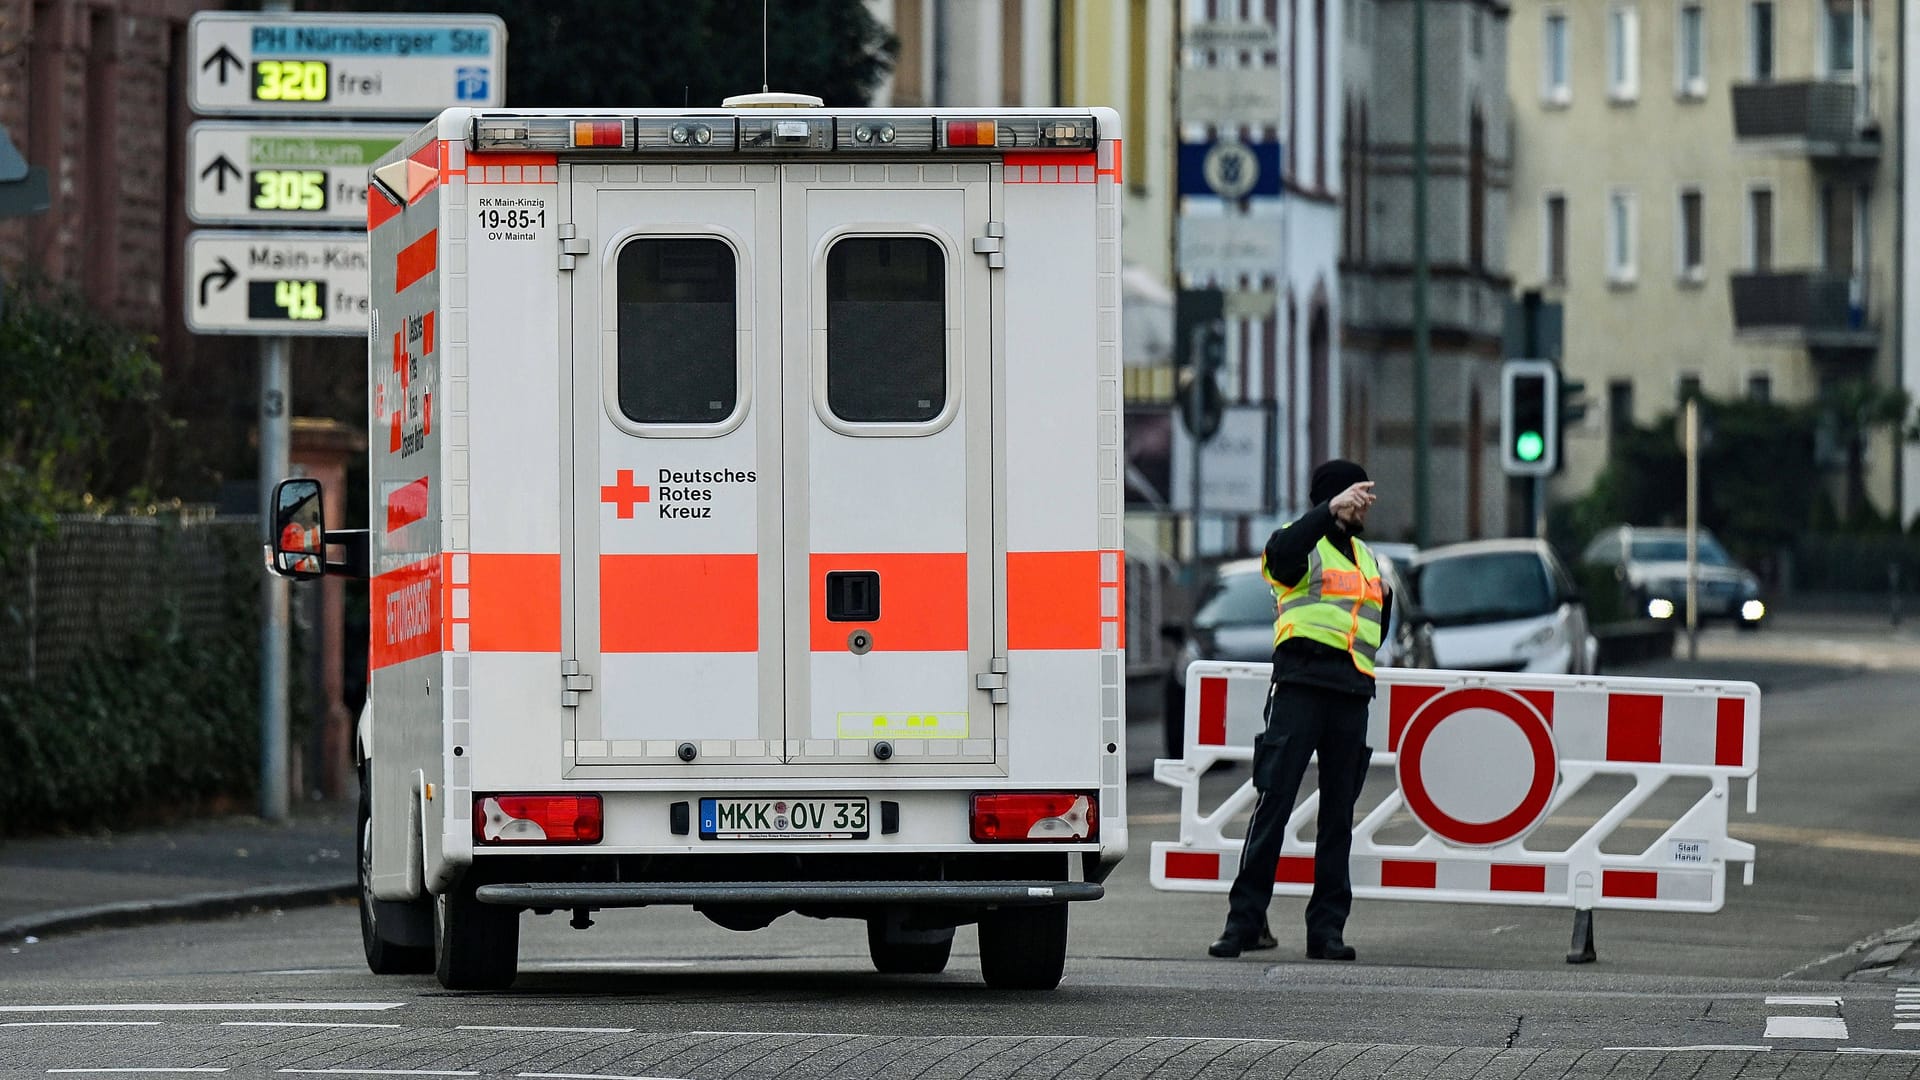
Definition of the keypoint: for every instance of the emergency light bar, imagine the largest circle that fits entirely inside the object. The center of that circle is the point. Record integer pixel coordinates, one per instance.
(773, 130)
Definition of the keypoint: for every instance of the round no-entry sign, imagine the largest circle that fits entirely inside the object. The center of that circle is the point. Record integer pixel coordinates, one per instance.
(1477, 766)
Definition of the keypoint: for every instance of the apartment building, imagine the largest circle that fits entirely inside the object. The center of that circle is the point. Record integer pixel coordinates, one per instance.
(1468, 163)
(1710, 188)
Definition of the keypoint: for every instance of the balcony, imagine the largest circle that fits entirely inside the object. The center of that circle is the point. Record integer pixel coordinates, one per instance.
(1813, 306)
(1817, 118)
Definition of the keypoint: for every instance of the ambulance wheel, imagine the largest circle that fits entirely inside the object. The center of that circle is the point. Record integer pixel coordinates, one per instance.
(921, 956)
(396, 935)
(1024, 948)
(476, 946)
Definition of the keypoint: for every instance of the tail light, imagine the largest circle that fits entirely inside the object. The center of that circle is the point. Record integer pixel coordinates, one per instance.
(537, 819)
(1028, 816)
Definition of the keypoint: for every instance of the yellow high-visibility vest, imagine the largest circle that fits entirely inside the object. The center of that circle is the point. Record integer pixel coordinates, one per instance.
(1338, 602)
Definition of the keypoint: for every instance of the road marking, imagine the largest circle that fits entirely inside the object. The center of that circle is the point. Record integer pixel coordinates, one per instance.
(1906, 1027)
(229, 1006)
(1675, 1048)
(1906, 1008)
(563, 1030)
(304, 971)
(189, 1069)
(1829, 1002)
(298, 1025)
(1805, 1027)
(81, 1025)
(385, 1072)
(592, 1076)
(1873, 1050)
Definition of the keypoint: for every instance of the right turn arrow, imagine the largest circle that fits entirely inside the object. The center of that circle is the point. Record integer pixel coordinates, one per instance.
(224, 276)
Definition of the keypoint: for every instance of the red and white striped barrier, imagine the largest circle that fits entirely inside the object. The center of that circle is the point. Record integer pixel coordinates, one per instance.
(1480, 760)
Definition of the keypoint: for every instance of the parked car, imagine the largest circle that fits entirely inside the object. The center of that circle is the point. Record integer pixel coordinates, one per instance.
(1503, 605)
(1651, 564)
(1233, 620)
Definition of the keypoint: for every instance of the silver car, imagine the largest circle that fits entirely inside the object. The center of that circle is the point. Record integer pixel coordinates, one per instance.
(1651, 563)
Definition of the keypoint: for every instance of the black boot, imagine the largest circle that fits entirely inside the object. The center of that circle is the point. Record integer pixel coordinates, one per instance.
(1334, 949)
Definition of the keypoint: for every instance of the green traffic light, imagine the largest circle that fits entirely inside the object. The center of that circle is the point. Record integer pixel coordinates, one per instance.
(1529, 446)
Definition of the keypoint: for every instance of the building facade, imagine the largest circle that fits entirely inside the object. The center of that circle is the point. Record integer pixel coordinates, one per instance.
(1710, 188)
(1469, 159)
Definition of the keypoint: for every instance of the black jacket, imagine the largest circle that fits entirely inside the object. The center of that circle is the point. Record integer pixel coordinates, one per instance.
(1297, 660)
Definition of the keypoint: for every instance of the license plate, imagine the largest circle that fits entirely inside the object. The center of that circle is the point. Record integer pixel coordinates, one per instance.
(783, 819)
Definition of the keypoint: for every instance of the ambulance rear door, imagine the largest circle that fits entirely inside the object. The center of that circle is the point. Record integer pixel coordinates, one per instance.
(889, 494)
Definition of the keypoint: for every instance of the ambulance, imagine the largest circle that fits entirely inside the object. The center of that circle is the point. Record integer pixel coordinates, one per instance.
(744, 528)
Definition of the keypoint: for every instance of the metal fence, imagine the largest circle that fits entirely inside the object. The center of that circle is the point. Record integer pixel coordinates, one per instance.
(98, 581)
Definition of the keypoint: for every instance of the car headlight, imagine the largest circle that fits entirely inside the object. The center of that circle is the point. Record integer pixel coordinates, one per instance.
(1659, 608)
(1540, 640)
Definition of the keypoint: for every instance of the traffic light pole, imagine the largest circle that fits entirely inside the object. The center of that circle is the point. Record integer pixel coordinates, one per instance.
(1194, 428)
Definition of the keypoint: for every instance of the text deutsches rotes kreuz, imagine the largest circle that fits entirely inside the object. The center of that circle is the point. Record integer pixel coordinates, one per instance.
(688, 494)
(403, 397)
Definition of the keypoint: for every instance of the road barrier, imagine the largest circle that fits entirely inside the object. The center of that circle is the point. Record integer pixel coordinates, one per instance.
(1480, 761)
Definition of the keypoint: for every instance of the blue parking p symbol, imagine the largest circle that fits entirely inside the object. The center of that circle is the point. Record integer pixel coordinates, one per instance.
(470, 84)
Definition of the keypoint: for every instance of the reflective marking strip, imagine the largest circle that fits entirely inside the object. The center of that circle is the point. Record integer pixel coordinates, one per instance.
(1056, 600)
(1633, 727)
(1407, 874)
(1294, 869)
(404, 609)
(1631, 884)
(923, 601)
(513, 604)
(680, 603)
(1213, 712)
(406, 504)
(416, 260)
(1502, 877)
(1200, 865)
(1730, 732)
(225, 1006)
(561, 1030)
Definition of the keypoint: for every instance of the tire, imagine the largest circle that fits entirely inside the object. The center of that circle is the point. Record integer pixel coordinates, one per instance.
(389, 929)
(476, 945)
(1024, 948)
(892, 956)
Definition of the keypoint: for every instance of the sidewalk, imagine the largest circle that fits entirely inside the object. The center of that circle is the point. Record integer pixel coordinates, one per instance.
(192, 869)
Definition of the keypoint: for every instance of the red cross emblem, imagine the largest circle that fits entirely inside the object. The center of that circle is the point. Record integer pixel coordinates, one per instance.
(624, 494)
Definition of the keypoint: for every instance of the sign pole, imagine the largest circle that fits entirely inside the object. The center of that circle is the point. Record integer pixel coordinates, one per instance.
(1693, 528)
(274, 441)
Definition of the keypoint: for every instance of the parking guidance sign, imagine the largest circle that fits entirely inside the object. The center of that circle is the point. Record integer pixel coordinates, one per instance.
(273, 283)
(263, 173)
(257, 63)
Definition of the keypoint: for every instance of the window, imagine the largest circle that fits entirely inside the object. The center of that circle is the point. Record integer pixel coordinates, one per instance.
(1760, 229)
(1619, 406)
(886, 329)
(1692, 264)
(677, 355)
(1556, 239)
(1621, 268)
(1837, 228)
(1760, 40)
(1760, 387)
(1554, 83)
(1476, 190)
(1623, 53)
(1476, 32)
(1837, 23)
(1690, 66)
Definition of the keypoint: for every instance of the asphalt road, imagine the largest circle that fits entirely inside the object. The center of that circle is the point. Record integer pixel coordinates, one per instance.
(1760, 988)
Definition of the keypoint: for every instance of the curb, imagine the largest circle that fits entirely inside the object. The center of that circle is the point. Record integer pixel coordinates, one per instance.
(211, 905)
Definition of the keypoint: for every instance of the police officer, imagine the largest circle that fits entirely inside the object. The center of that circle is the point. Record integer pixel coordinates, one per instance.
(1332, 612)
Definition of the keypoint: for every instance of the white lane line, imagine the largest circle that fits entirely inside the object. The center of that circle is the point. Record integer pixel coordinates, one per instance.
(298, 1025)
(1829, 1002)
(591, 1076)
(384, 1072)
(226, 1006)
(81, 1025)
(1906, 1027)
(304, 971)
(191, 1069)
(1873, 1050)
(561, 1030)
(1677, 1048)
(1805, 1027)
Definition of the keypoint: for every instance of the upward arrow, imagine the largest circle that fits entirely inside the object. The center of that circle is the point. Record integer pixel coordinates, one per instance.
(222, 56)
(219, 170)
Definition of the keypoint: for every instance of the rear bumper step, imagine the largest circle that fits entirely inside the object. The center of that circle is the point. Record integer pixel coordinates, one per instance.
(791, 893)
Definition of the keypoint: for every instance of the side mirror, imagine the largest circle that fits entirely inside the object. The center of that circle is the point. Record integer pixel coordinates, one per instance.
(298, 549)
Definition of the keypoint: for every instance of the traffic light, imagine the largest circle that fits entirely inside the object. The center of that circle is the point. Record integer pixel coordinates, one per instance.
(1529, 415)
(1573, 409)
(1198, 390)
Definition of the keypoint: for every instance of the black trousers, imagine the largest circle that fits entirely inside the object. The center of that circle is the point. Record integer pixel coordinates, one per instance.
(1302, 720)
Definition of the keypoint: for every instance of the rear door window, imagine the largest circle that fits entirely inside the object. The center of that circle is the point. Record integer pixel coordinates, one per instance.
(886, 330)
(678, 360)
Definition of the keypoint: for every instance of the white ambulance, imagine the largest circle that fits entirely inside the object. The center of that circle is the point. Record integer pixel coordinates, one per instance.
(745, 527)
